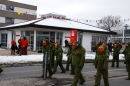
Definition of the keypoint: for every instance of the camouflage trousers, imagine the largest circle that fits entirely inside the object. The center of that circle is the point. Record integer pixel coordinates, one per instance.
(48, 68)
(78, 76)
(116, 58)
(128, 67)
(105, 77)
(56, 65)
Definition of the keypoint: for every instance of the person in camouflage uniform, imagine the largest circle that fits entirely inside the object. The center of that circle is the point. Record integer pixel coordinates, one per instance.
(52, 54)
(95, 60)
(78, 59)
(98, 44)
(127, 57)
(116, 52)
(124, 51)
(58, 56)
(69, 59)
(102, 66)
(47, 48)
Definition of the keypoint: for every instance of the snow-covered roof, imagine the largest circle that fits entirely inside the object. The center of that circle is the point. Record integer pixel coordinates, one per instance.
(67, 24)
(54, 22)
(21, 24)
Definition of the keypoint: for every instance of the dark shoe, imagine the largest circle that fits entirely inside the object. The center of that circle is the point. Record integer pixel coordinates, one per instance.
(71, 73)
(49, 77)
(112, 66)
(95, 85)
(67, 69)
(117, 66)
(81, 82)
(95, 75)
(63, 72)
(127, 79)
(106, 85)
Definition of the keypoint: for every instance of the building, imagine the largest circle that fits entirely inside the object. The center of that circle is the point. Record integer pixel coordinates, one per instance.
(54, 26)
(123, 34)
(14, 12)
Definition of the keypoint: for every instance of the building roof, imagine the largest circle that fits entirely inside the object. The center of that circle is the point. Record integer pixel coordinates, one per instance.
(65, 24)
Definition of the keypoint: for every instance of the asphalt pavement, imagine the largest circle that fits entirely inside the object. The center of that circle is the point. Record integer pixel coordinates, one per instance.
(30, 76)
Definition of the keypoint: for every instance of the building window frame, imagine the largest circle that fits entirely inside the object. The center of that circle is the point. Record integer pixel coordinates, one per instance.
(9, 8)
(9, 20)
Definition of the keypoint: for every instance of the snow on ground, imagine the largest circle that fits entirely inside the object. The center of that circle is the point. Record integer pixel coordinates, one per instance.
(2, 49)
(39, 57)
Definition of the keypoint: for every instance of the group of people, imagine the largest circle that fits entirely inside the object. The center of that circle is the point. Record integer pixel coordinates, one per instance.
(21, 48)
(103, 51)
(76, 57)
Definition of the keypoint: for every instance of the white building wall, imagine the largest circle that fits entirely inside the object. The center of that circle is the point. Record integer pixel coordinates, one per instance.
(17, 32)
(2, 7)
(86, 41)
(9, 39)
(65, 34)
(2, 19)
(19, 21)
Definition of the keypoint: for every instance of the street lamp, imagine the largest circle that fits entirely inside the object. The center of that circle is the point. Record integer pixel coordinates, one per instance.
(126, 25)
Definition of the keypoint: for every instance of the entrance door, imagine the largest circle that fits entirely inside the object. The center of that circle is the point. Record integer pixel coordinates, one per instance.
(4, 40)
(39, 40)
(31, 42)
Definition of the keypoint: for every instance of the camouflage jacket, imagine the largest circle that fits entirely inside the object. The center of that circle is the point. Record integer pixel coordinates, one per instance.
(78, 56)
(102, 60)
(127, 53)
(58, 52)
(116, 51)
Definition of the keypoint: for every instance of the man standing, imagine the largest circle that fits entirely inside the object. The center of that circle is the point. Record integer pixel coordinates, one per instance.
(46, 48)
(127, 59)
(78, 59)
(109, 44)
(116, 52)
(69, 59)
(58, 56)
(102, 66)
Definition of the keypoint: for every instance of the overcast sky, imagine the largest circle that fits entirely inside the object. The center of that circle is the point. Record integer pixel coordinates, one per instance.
(82, 9)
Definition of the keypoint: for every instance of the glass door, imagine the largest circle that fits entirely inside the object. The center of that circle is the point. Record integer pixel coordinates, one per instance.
(39, 39)
(3, 39)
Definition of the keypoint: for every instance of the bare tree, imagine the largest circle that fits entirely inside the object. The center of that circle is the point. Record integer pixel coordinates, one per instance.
(109, 21)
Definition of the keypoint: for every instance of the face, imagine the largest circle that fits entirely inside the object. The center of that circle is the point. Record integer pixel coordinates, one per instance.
(55, 45)
(101, 49)
(115, 45)
(70, 43)
(44, 43)
(98, 42)
(74, 46)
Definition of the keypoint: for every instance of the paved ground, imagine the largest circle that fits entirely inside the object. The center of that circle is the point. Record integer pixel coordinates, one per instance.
(66, 79)
(7, 52)
(60, 79)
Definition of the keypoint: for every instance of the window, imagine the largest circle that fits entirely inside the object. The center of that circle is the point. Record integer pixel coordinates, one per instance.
(10, 8)
(9, 20)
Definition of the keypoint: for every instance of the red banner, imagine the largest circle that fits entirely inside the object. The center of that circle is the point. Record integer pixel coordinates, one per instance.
(73, 35)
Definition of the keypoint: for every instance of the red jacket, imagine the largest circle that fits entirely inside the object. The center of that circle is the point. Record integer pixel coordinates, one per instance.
(13, 42)
(24, 43)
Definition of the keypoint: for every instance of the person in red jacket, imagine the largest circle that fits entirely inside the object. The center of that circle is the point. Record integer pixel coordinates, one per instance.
(19, 46)
(22, 43)
(13, 47)
(26, 46)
